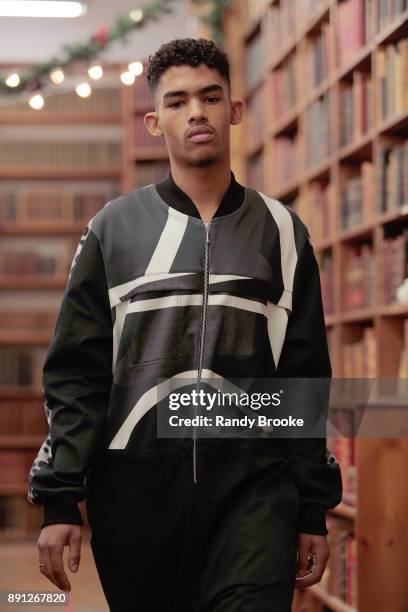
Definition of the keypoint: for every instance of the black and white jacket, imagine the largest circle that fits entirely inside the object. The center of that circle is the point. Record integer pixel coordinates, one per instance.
(153, 292)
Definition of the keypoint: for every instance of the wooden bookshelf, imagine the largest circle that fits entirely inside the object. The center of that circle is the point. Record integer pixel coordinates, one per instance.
(146, 158)
(325, 128)
(44, 209)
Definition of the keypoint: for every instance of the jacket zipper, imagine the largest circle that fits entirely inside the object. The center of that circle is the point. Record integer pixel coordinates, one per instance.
(202, 336)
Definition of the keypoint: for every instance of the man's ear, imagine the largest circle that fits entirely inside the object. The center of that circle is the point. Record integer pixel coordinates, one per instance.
(151, 121)
(237, 111)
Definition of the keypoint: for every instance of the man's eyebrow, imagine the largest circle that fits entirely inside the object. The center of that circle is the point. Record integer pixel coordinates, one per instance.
(206, 89)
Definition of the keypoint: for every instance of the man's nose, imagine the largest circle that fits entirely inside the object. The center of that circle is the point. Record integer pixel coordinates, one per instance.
(197, 111)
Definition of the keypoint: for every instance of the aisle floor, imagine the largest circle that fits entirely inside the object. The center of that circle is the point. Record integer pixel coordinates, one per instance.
(19, 572)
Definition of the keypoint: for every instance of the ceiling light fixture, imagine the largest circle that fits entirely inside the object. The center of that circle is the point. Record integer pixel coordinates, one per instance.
(41, 8)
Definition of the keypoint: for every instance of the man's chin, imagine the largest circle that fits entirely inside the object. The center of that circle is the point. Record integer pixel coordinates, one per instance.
(202, 162)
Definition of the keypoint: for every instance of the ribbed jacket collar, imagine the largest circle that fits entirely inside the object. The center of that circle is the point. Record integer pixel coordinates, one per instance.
(175, 197)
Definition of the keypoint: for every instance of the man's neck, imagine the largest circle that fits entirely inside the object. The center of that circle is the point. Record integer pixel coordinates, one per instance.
(205, 186)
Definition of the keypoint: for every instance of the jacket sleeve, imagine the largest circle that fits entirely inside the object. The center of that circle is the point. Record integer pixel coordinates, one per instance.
(77, 379)
(305, 354)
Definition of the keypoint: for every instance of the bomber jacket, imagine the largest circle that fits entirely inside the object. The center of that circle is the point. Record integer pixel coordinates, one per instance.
(153, 291)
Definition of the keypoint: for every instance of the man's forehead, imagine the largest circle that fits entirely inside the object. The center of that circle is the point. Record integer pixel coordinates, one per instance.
(189, 79)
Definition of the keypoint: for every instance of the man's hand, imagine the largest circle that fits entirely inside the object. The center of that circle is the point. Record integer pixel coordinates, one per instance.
(317, 547)
(51, 544)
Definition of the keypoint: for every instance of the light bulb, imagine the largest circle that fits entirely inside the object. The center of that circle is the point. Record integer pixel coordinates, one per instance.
(57, 76)
(136, 68)
(13, 80)
(136, 15)
(41, 8)
(127, 78)
(83, 90)
(95, 72)
(36, 102)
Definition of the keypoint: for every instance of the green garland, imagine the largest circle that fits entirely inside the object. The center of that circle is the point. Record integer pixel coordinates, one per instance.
(37, 75)
(214, 18)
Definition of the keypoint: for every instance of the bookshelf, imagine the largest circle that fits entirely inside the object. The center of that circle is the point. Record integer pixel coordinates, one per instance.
(146, 158)
(59, 166)
(326, 91)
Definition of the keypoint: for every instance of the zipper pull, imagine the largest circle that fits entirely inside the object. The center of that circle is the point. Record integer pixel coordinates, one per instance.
(207, 229)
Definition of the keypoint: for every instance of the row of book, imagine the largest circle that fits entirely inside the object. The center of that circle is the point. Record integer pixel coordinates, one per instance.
(284, 87)
(141, 97)
(317, 130)
(325, 261)
(35, 258)
(280, 25)
(356, 108)
(255, 57)
(315, 206)
(392, 70)
(389, 11)
(21, 367)
(148, 172)
(359, 357)
(360, 272)
(359, 277)
(320, 59)
(256, 117)
(403, 359)
(394, 257)
(357, 197)
(354, 27)
(59, 154)
(255, 175)
(42, 205)
(393, 177)
(22, 319)
(22, 417)
(102, 101)
(286, 162)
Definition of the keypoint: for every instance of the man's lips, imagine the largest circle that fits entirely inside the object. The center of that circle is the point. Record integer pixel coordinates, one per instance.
(201, 134)
(202, 137)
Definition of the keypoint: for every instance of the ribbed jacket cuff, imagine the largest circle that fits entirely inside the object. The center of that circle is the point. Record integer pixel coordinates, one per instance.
(62, 508)
(312, 519)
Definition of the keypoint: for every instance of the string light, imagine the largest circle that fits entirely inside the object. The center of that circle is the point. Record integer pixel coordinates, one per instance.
(57, 76)
(13, 80)
(136, 68)
(95, 72)
(127, 78)
(136, 15)
(36, 102)
(83, 90)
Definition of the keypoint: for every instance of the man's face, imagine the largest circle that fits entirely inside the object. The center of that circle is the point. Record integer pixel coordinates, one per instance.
(190, 100)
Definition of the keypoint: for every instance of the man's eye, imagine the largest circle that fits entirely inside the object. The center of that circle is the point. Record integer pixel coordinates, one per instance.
(213, 99)
(173, 104)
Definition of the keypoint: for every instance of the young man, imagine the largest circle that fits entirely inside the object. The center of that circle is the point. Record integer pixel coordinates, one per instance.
(195, 275)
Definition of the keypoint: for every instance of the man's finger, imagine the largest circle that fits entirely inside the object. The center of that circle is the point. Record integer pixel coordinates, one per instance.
(319, 565)
(74, 556)
(303, 556)
(46, 565)
(57, 564)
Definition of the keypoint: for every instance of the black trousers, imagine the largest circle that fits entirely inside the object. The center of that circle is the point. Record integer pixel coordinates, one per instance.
(227, 543)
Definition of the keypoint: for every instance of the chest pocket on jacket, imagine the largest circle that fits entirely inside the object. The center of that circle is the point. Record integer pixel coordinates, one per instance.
(152, 331)
(237, 328)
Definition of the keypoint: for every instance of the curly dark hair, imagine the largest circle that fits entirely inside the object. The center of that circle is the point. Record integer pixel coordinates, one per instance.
(186, 51)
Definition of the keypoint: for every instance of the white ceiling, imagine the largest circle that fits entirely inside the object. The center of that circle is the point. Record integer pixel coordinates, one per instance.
(35, 40)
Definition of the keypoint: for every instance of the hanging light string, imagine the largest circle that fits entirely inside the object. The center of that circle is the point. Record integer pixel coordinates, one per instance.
(35, 83)
(38, 76)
